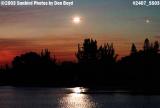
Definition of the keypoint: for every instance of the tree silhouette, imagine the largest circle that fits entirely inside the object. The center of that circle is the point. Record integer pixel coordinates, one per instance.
(27, 59)
(96, 66)
(133, 49)
(156, 46)
(106, 54)
(147, 45)
(33, 61)
(46, 57)
(88, 52)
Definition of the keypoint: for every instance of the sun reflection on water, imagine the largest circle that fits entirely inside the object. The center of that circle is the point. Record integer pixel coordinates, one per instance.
(77, 99)
(78, 90)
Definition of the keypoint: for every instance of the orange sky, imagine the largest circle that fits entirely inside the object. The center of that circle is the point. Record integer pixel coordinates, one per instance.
(24, 28)
(64, 48)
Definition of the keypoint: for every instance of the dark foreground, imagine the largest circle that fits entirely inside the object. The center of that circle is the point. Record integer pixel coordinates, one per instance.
(96, 67)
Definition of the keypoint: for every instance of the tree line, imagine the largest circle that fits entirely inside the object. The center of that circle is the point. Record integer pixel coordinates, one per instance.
(95, 66)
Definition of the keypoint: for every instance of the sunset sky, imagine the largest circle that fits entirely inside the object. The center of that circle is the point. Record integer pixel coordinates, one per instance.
(33, 28)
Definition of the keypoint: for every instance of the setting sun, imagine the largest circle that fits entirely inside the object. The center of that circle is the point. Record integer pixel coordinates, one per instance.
(76, 20)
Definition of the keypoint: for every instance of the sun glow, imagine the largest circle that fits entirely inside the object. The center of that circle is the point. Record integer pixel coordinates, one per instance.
(147, 21)
(76, 20)
(79, 90)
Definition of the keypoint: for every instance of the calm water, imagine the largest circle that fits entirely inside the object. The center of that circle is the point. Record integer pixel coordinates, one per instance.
(11, 97)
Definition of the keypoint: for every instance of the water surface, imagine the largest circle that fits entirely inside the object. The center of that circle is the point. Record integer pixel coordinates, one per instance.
(36, 97)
